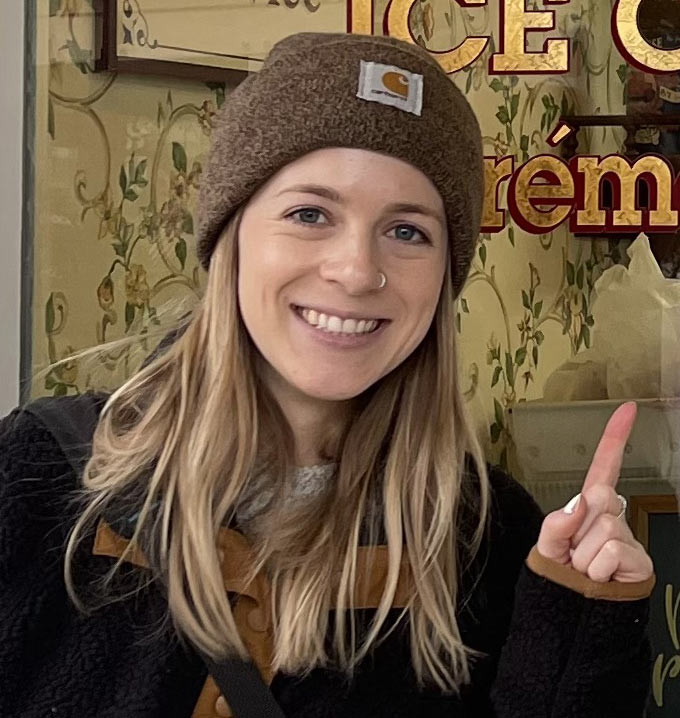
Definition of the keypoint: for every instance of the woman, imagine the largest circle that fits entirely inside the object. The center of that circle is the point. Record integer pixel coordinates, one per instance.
(292, 476)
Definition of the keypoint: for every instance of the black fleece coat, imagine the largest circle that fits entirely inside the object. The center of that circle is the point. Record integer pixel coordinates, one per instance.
(549, 651)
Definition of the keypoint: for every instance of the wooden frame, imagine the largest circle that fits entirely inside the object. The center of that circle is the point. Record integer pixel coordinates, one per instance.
(108, 60)
(143, 52)
(642, 506)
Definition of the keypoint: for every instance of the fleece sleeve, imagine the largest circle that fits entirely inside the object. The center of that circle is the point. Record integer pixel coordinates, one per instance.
(575, 648)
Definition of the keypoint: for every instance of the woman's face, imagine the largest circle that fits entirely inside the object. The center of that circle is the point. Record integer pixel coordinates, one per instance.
(315, 238)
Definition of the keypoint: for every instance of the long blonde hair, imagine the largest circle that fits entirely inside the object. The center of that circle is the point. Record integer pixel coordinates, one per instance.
(186, 432)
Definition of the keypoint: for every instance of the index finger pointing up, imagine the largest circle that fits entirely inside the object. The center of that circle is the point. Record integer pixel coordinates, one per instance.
(608, 457)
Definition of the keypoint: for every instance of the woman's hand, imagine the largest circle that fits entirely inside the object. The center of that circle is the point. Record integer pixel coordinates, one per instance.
(591, 538)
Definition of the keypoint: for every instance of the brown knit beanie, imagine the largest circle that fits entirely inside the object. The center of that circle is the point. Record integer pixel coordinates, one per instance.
(377, 93)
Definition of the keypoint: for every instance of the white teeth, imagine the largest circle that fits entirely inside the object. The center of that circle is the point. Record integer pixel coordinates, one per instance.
(337, 325)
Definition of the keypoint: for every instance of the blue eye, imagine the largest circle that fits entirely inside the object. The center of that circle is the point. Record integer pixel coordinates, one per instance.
(408, 237)
(306, 213)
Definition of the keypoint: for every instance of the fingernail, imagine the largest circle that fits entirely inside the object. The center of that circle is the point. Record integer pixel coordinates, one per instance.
(571, 506)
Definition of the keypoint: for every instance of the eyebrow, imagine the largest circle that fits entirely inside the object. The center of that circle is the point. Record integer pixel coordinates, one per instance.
(328, 193)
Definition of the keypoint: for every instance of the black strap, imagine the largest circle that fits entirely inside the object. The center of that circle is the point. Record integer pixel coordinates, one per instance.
(242, 685)
(72, 422)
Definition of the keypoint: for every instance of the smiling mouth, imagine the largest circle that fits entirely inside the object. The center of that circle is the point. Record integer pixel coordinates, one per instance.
(331, 324)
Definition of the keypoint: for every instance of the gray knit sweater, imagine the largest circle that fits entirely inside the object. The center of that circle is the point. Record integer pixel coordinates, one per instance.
(306, 481)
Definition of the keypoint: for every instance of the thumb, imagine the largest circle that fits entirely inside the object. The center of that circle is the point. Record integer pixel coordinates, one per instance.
(558, 529)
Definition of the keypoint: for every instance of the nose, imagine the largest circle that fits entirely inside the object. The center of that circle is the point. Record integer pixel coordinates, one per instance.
(353, 261)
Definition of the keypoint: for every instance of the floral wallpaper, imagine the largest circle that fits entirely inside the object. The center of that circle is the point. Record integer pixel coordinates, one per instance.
(119, 163)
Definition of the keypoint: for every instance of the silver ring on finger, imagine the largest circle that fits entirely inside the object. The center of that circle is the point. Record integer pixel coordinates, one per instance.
(624, 506)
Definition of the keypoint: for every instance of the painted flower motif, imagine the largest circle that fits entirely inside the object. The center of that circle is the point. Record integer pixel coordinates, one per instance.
(136, 133)
(478, 72)
(535, 276)
(473, 376)
(109, 216)
(172, 218)
(178, 184)
(194, 177)
(181, 183)
(493, 349)
(136, 286)
(500, 145)
(575, 303)
(109, 223)
(105, 293)
(524, 327)
(206, 115)
(68, 372)
(149, 224)
(175, 217)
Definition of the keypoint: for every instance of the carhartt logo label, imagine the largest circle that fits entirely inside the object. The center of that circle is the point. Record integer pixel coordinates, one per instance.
(396, 82)
(391, 85)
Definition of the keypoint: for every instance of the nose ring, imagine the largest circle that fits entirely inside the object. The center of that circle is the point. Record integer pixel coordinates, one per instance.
(383, 280)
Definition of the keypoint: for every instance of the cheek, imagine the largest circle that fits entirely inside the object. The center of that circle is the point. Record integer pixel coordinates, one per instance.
(251, 283)
(266, 254)
(422, 299)
(266, 268)
(422, 289)
(425, 316)
(257, 263)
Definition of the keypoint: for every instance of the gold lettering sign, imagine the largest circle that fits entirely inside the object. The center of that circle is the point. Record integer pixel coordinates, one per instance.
(495, 171)
(555, 191)
(397, 23)
(634, 47)
(516, 20)
(653, 168)
(545, 191)
(231, 35)
(360, 17)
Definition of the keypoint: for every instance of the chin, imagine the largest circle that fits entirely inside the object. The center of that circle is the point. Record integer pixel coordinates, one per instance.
(327, 391)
